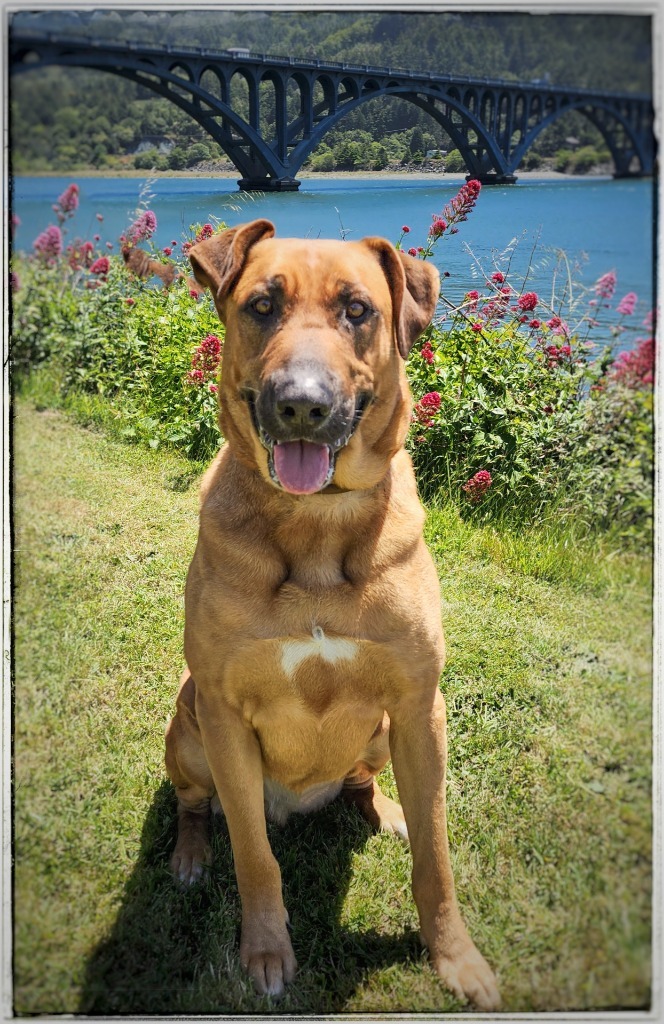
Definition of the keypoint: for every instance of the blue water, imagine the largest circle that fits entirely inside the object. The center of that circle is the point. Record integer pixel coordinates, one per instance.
(603, 224)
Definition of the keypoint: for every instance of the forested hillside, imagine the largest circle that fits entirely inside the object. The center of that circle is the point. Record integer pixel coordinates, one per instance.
(68, 119)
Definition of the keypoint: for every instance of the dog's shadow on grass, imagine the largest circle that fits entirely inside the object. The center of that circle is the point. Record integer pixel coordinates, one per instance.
(177, 952)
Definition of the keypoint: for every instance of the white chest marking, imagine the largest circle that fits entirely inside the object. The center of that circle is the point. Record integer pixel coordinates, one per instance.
(330, 649)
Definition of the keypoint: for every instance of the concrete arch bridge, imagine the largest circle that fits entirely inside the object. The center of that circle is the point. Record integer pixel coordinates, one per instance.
(492, 122)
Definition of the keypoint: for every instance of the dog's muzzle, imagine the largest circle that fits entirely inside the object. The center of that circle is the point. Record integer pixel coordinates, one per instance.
(303, 422)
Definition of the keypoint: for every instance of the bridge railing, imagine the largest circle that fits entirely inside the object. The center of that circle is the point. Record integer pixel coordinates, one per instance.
(325, 65)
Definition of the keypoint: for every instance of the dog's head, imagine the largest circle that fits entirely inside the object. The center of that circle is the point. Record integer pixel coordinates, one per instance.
(313, 390)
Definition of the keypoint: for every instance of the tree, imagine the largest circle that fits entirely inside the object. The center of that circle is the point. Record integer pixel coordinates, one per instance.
(417, 141)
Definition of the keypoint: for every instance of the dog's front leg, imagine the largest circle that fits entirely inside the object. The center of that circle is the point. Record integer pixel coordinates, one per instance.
(233, 753)
(419, 753)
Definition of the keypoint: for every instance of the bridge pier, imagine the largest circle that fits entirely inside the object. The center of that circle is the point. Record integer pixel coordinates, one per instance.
(268, 184)
(493, 178)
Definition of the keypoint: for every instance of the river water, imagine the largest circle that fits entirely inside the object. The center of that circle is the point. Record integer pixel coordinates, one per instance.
(600, 224)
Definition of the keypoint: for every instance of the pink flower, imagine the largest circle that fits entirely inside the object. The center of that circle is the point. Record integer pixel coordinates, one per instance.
(96, 238)
(143, 228)
(498, 277)
(109, 245)
(535, 324)
(557, 325)
(130, 302)
(412, 252)
(478, 485)
(627, 304)
(48, 245)
(527, 301)
(213, 388)
(477, 328)
(405, 229)
(167, 251)
(99, 217)
(100, 266)
(473, 296)
(636, 369)
(193, 294)
(605, 286)
(67, 203)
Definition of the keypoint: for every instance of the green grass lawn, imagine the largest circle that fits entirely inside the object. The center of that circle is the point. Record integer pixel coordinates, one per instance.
(548, 685)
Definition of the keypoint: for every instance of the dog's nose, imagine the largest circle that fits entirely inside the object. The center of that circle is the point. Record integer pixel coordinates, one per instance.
(303, 401)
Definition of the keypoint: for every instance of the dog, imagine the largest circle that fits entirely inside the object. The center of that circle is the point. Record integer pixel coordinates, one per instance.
(141, 265)
(313, 639)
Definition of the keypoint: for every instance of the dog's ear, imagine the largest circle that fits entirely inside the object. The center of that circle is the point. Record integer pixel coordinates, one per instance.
(217, 261)
(415, 286)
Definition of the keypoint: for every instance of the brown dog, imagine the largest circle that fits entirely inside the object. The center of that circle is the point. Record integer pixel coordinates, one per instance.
(313, 636)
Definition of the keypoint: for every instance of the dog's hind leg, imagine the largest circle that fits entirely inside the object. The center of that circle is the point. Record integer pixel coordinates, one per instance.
(361, 787)
(189, 772)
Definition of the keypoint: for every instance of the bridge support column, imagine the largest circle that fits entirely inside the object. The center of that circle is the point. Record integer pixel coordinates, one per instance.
(493, 178)
(269, 184)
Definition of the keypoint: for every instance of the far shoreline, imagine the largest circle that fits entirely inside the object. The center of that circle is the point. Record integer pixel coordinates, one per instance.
(229, 176)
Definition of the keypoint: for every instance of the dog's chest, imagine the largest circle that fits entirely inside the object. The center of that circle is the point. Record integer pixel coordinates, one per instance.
(313, 699)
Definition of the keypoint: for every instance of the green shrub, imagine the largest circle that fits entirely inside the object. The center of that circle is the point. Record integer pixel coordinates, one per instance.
(563, 160)
(584, 160)
(454, 162)
(517, 416)
(323, 161)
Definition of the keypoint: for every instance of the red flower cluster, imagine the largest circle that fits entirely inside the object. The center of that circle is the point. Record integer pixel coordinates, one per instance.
(80, 254)
(527, 301)
(456, 210)
(636, 369)
(206, 232)
(427, 352)
(556, 354)
(205, 360)
(100, 266)
(478, 485)
(48, 245)
(557, 325)
(67, 203)
(426, 408)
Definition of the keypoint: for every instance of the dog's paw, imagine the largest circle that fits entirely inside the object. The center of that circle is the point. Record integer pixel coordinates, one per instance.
(189, 863)
(267, 955)
(470, 978)
(382, 813)
(390, 816)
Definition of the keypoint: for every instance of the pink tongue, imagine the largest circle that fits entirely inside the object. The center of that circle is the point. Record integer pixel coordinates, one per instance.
(302, 467)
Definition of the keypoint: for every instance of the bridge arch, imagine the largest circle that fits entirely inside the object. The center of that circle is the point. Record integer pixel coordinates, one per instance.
(425, 99)
(603, 116)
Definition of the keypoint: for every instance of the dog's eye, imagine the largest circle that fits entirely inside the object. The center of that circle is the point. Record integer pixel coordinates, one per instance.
(355, 310)
(262, 306)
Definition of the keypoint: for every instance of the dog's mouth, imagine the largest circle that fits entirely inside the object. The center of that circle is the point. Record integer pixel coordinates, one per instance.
(302, 466)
